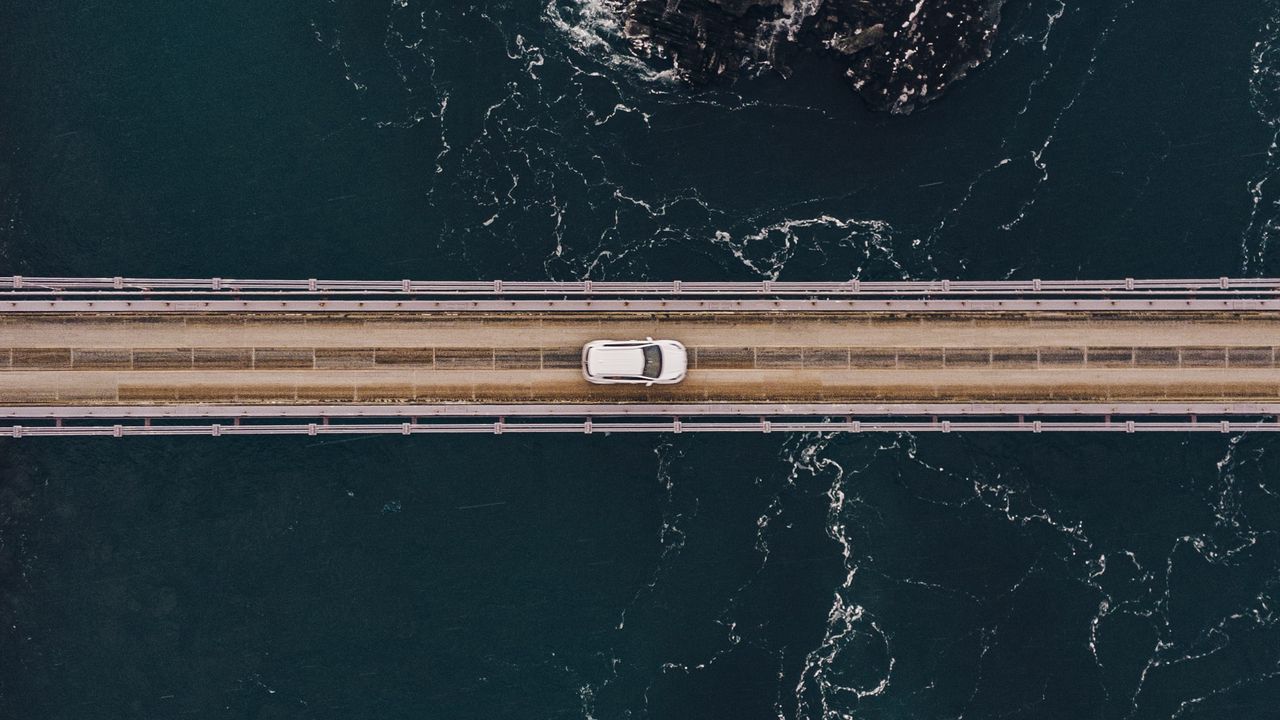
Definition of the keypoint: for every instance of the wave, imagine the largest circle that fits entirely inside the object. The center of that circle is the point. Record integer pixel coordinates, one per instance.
(1264, 94)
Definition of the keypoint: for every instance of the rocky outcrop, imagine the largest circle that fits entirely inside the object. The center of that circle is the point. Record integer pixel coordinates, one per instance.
(899, 54)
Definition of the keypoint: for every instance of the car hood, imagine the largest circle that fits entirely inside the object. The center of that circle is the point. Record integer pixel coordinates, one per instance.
(675, 361)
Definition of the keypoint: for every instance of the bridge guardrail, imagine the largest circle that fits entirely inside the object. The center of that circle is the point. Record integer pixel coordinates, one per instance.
(676, 426)
(1204, 287)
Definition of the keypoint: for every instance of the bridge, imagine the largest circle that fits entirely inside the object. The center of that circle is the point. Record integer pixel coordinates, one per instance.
(151, 356)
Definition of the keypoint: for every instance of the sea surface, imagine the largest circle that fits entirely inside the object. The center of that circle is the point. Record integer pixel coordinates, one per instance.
(807, 576)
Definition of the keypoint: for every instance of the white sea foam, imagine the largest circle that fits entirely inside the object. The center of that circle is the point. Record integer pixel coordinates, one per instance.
(1264, 94)
(593, 29)
(766, 250)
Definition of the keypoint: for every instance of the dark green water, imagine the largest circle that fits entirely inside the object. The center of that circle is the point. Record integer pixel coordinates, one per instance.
(612, 577)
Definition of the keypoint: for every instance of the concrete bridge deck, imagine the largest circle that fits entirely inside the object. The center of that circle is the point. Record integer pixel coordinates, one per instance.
(126, 352)
(313, 358)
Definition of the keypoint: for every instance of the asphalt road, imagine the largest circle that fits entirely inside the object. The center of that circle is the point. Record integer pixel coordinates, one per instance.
(534, 358)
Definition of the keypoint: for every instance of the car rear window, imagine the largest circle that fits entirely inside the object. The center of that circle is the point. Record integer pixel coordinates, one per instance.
(652, 361)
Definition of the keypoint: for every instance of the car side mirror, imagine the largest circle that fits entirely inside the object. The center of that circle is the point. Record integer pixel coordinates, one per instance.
(649, 339)
(649, 384)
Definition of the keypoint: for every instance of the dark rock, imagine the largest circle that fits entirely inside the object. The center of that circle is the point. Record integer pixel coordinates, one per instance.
(899, 54)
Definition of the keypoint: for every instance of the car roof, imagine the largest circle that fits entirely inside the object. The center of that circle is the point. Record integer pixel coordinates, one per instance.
(610, 361)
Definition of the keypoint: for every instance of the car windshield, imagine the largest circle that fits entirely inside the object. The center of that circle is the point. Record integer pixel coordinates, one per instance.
(652, 361)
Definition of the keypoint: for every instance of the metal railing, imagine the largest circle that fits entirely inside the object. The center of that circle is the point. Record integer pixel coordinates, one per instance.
(74, 286)
(673, 425)
(486, 411)
(498, 419)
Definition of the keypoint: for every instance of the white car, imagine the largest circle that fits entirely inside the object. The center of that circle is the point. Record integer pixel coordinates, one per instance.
(645, 361)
